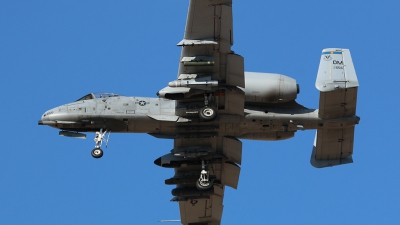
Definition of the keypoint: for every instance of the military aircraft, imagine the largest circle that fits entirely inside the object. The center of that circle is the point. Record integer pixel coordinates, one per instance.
(212, 104)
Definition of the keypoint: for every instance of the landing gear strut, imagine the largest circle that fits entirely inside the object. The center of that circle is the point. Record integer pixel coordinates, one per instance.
(204, 182)
(98, 139)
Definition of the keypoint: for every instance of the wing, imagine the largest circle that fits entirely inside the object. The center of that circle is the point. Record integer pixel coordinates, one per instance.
(221, 156)
(209, 77)
(207, 66)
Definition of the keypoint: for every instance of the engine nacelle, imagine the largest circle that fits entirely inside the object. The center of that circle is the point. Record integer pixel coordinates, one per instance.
(270, 88)
(260, 88)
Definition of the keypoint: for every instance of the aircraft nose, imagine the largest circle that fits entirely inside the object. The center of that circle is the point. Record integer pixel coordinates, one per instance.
(46, 120)
(43, 119)
(57, 114)
(46, 115)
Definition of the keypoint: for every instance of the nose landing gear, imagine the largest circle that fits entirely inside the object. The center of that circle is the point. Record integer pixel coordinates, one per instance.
(98, 139)
(97, 153)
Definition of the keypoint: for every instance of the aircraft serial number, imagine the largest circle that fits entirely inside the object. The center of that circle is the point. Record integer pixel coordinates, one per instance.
(48, 113)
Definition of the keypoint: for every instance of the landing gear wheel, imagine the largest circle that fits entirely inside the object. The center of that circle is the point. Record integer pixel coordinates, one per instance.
(201, 185)
(207, 113)
(97, 153)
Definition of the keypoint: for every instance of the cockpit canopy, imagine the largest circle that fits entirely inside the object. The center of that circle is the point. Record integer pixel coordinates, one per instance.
(97, 95)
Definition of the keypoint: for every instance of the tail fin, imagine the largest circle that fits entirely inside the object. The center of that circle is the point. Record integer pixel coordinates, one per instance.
(338, 84)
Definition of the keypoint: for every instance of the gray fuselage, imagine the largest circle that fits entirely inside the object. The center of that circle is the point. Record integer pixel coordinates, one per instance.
(156, 116)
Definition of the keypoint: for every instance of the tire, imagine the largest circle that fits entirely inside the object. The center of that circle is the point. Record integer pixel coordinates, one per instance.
(202, 186)
(207, 113)
(97, 153)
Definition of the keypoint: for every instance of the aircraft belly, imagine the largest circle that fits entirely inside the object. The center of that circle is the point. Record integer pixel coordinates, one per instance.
(144, 124)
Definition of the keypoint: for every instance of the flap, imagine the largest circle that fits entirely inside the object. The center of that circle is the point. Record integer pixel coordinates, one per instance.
(235, 76)
(232, 149)
(230, 174)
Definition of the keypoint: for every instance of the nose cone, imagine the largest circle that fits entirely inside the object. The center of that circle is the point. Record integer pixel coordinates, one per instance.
(44, 117)
(49, 113)
(50, 117)
(45, 120)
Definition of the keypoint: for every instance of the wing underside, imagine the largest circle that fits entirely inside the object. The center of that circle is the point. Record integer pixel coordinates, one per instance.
(207, 65)
(209, 73)
(221, 155)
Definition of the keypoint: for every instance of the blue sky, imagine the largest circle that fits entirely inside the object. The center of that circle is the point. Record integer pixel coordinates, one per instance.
(53, 52)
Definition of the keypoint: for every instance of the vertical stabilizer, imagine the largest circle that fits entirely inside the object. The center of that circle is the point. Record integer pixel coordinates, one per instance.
(336, 70)
(338, 85)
